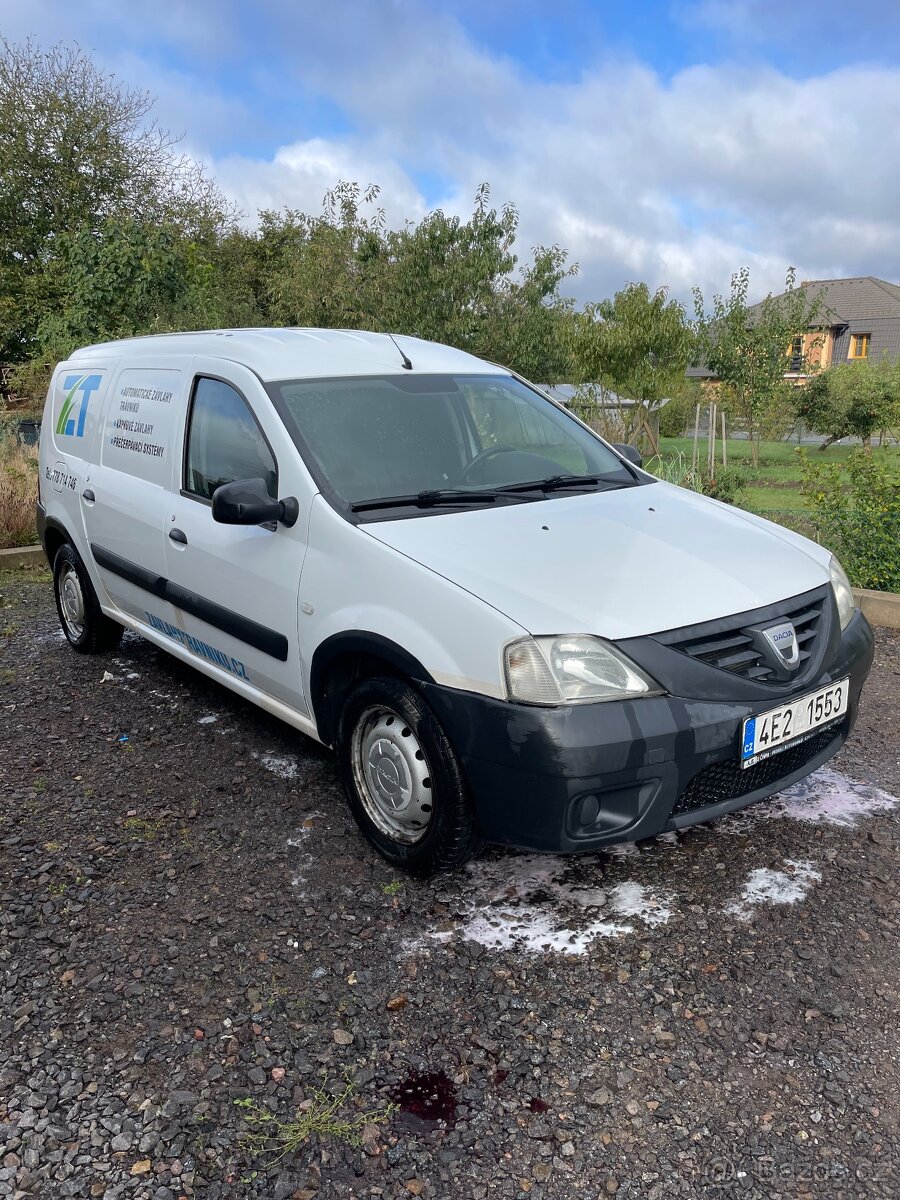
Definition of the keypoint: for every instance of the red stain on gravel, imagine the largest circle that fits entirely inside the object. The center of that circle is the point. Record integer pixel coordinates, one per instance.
(426, 1099)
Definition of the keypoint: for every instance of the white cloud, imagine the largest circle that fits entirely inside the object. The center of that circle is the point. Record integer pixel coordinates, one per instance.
(674, 180)
(300, 174)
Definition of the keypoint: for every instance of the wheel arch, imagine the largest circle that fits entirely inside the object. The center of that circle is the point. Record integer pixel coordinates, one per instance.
(342, 661)
(54, 535)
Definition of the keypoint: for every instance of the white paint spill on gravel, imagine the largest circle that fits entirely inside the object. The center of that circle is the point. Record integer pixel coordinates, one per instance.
(768, 886)
(830, 797)
(298, 880)
(542, 903)
(209, 719)
(826, 797)
(539, 903)
(280, 765)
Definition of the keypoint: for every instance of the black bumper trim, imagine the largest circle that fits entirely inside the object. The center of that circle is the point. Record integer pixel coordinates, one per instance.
(237, 626)
(581, 777)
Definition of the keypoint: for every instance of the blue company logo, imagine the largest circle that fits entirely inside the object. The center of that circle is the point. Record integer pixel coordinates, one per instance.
(70, 423)
(203, 649)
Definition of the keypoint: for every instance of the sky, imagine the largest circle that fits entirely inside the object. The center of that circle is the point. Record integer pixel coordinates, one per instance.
(671, 141)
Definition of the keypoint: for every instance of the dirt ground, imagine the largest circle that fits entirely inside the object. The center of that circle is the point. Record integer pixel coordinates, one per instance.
(193, 937)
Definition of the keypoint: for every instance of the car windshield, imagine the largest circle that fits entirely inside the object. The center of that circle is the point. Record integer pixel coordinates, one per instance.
(446, 436)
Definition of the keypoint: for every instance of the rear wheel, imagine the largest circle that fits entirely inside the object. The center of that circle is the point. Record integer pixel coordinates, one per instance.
(87, 628)
(403, 781)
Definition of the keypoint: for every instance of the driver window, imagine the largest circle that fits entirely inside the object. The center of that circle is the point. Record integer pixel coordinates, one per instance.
(224, 442)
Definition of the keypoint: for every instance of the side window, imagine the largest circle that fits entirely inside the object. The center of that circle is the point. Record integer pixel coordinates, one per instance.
(224, 442)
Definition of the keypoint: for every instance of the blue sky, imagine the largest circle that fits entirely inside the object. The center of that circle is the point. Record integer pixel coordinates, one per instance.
(666, 140)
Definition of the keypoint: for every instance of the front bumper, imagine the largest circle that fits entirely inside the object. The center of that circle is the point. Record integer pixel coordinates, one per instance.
(580, 777)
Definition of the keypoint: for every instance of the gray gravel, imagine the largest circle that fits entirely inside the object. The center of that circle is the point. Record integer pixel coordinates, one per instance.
(188, 919)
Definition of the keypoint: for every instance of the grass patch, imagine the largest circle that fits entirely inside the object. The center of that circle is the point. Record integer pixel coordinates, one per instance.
(773, 487)
(766, 500)
(12, 576)
(322, 1117)
(18, 493)
(140, 830)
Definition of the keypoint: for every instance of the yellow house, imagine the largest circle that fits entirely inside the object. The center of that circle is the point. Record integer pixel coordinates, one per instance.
(859, 318)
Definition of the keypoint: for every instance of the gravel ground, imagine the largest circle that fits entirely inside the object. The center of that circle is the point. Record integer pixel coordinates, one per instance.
(188, 920)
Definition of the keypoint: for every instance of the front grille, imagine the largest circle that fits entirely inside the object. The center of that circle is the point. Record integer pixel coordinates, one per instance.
(726, 781)
(740, 651)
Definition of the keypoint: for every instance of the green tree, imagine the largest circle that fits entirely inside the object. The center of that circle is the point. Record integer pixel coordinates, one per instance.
(747, 348)
(856, 510)
(638, 344)
(323, 271)
(526, 327)
(128, 278)
(852, 399)
(444, 278)
(77, 149)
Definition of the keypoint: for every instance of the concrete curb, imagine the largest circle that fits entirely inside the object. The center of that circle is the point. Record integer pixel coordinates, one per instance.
(879, 608)
(22, 556)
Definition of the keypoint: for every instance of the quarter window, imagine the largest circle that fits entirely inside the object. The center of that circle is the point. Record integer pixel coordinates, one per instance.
(224, 442)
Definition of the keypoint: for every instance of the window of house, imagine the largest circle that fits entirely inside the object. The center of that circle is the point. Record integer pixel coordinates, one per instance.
(859, 345)
(797, 353)
(224, 442)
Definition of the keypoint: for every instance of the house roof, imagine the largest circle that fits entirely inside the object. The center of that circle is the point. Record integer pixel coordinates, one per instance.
(565, 393)
(846, 301)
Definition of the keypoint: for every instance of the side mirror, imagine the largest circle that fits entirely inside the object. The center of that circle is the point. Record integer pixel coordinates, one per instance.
(246, 502)
(631, 453)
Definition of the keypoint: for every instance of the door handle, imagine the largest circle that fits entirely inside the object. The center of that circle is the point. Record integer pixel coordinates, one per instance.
(178, 536)
(88, 496)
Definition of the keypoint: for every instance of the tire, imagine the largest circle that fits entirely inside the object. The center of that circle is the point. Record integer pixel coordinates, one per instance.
(87, 628)
(403, 781)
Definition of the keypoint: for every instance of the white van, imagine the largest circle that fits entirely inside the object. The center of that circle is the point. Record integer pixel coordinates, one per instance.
(506, 629)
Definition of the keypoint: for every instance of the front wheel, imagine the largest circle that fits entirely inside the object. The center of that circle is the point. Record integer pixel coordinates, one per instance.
(403, 781)
(87, 628)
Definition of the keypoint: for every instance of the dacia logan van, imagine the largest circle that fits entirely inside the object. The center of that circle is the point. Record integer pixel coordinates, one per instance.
(506, 629)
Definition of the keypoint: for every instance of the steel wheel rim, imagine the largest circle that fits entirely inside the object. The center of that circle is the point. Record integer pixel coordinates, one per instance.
(392, 775)
(71, 602)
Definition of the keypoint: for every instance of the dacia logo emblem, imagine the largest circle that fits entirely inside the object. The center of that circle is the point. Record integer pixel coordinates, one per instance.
(783, 640)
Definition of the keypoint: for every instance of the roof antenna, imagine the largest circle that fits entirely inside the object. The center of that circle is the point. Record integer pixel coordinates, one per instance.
(407, 364)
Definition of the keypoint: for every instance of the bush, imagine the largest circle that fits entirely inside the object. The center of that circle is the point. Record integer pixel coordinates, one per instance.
(677, 415)
(18, 493)
(853, 398)
(856, 510)
(728, 484)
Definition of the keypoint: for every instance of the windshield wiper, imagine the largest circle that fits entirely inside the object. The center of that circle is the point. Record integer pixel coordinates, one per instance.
(426, 499)
(556, 483)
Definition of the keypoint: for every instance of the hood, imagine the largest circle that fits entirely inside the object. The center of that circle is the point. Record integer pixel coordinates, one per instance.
(617, 564)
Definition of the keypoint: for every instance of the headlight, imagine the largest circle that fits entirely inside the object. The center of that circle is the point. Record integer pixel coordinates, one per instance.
(571, 669)
(841, 586)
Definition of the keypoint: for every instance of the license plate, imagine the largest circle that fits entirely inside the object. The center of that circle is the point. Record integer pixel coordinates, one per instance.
(769, 732)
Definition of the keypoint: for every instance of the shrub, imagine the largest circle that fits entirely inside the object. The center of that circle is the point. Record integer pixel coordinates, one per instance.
(856, 510)
(18, 492)
(728, 484)
(678, 414)
(853, 398)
